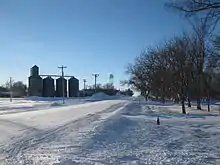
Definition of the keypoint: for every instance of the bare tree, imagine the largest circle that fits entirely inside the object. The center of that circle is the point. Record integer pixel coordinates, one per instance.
(193, 7)
(203, 16)
(202, 28)
(162, 70)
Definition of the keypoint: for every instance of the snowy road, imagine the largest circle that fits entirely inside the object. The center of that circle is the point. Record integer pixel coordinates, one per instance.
(108, 132)
(26, 132)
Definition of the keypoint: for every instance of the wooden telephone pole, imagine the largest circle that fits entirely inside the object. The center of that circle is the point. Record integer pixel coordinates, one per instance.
(95, 75)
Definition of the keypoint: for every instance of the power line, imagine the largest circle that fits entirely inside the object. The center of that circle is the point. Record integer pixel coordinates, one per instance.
(62, 76)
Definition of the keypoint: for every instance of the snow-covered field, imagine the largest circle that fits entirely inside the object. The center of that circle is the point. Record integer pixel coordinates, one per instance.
(106, 131)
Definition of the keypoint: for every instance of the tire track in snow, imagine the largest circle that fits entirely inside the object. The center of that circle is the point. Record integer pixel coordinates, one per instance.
(18, 150)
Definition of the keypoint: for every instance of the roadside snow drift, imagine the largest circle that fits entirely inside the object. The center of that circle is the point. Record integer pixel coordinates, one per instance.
(99, 96)
(108, 133)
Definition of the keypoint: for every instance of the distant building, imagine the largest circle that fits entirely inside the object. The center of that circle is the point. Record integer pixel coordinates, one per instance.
(73, 87)
(48, 87)
(59, 87)
(35, 82)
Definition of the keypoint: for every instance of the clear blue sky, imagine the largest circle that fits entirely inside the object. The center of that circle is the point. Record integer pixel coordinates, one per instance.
(88, 36)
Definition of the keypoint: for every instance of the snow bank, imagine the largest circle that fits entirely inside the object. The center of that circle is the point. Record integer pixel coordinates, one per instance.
(126, 135)
(20, 105)
(140, 98)
(55, 104)
(100, 96)
(36, 98)
(127, 139)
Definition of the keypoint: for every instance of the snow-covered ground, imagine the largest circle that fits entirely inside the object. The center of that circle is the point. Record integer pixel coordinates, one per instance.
(31, 104)
(112, 131)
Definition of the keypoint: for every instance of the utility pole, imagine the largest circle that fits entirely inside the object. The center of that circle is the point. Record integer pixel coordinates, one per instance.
(95, 75)
(84, 84)
(62, 76)
(10, 81)
(84, 87)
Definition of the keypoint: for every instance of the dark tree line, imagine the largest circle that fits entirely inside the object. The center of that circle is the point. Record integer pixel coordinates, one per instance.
(181, 69)
(176, 70)
(186, 67)
(18, 89)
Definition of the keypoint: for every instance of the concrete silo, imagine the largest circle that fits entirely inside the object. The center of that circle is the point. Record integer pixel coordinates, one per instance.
(35, 86)
(48, 87)
(59, 87)
(73, 87)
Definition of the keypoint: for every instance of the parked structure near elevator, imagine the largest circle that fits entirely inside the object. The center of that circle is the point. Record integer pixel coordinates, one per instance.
(46, 87)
